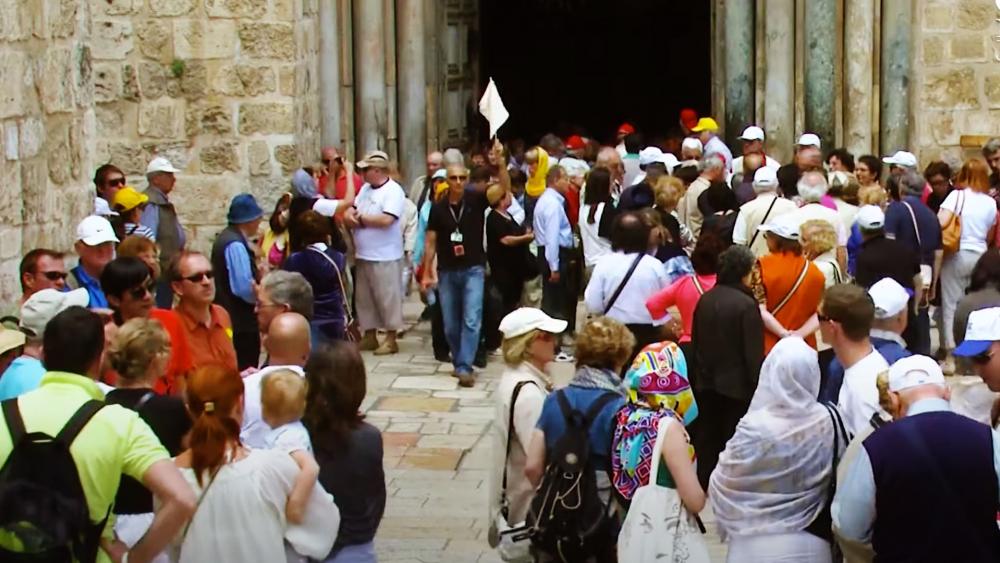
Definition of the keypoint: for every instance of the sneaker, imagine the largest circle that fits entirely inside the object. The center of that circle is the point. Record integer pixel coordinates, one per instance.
(479, 361)
(563, 357)
(496, 353)
(386, 349)
(368, 343)
(466, 380)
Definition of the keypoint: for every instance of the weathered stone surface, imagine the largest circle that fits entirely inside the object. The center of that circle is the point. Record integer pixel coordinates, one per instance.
(152, 80)
(208, 117)
(54, 80)
(107, 82)
(204, 39)
(14, 71)
(16, 21)
(193, 83)
(155, 40)
(934, 50)
(130, 83)
(177, 152)
(158, 120)
(267, 40)
(968, 47)
(220, 157)
(950, 89)
(259, 158)
(31, 137)
(111, 119)
(111, 39)
(938, 16)
(286, 80)
(991, 86)
(170, 7)
(288, 157)
(284, 10)
(114, 7)
(266, 118)
(244, 80)
(203, 200)
(130, 158)
(58, 152)
(975, 15)
(62, 17)
(236, 8)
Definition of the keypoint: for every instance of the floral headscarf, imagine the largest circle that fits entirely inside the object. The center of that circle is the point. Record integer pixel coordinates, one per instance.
(657, 386)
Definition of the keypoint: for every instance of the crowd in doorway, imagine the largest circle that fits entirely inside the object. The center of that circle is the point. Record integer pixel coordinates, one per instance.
(754, 336)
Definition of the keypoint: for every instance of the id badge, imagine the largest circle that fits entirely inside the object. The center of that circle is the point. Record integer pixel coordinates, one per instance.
(459, 250)
(456, 237)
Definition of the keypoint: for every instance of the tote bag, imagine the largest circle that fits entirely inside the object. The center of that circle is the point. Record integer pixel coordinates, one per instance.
(658, 527)
(951, 233)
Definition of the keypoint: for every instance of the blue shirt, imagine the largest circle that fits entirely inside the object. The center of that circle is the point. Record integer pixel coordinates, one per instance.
(899, 224)
(93, 287)
(150, 217)
(853, 509)
(240, 273)
(551, 225)
(24, 374)
(854, 243)
(553, 424)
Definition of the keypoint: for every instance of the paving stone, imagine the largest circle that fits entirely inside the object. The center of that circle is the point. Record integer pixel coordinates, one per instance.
(425, 404)
(433, 382)
(404, 427)
(435, 428)
(476, 429)
(448, 441)
(431, 458)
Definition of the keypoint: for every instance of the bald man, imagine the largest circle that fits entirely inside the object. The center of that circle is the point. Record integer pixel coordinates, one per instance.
(288, 347)
(420, 189)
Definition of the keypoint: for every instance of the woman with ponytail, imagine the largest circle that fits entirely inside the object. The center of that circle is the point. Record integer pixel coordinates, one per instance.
(242, 492)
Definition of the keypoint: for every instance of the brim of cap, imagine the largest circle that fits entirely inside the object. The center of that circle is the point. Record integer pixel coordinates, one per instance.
(774, 231)
(361, 164)
(11, 339)
(971, 348)
(169, 169)
(552, 326)
(751, 138)
(889, 160)
(697, 129)
(99, 239)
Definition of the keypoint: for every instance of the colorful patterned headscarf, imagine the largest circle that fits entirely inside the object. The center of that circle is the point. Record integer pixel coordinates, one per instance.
(657, 386)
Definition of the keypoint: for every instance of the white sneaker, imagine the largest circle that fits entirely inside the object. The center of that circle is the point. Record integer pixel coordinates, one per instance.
(563, 357)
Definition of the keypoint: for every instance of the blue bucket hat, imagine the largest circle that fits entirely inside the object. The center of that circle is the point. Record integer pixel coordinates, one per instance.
(244, 209)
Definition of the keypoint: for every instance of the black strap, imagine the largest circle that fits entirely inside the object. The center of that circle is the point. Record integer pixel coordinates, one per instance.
(15, 424)
(510, 435)
(79, 419)
(598, 406)
(621, 286)
(764, 220)
(142, 401)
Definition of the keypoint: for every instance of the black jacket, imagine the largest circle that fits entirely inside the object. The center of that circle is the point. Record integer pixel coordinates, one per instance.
(728, 340)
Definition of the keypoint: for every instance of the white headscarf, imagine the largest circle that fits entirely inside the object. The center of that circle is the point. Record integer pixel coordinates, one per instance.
(774, 473)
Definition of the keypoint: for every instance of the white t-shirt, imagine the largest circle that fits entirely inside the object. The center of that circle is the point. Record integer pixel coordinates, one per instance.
(288, 438)
(594, 245)
(380, 245)
(254, 432)
(649, 277)
(858, 399)
(979, 212)
(812, 211)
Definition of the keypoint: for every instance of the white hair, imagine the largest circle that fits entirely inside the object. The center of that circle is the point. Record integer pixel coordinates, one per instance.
(713, 161)
(812, 187)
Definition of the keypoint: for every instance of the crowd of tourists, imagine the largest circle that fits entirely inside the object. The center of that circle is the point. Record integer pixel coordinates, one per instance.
(750, 331)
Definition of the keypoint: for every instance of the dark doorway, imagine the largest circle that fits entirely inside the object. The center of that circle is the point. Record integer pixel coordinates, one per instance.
(585, 66)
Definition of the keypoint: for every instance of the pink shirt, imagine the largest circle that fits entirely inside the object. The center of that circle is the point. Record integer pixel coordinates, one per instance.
(684, 294)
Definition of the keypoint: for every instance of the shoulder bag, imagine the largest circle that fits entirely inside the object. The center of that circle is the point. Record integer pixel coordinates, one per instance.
(512, 541)
(657, 526)
(763, 221)
(822, 525)
(791, 292)
(621, 286)
(951, 233)
(351, 331)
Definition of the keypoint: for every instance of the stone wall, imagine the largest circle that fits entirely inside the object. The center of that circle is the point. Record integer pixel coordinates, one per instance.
(226, 89)
(956, 76)
(46, 118)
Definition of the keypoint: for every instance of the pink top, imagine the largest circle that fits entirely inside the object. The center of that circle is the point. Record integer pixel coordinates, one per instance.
(684, 294)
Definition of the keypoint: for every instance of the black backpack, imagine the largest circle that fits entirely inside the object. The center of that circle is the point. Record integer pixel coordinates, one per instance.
(567, 519)
(42, 503)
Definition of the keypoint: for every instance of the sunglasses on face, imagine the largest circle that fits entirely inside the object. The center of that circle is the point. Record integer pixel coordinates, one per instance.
(54, 276)
(982, 359)
(115, 182)
(142, 291)
(197, 278)
(328, 161)
(458, 178)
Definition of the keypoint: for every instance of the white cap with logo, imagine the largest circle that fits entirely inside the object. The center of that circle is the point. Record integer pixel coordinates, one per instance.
(889, 298)
(38, 310)
(810, 140)
(161, 164)
(649, 155)
(752, 133)
(982, 330)
(870, 218)
(914, 371)
(765, 176)
(526, 319)
(902, 158)
(94, 230)
(785, 226)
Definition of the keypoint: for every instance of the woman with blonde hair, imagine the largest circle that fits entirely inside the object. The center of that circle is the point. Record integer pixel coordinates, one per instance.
(819, 244)
(971, 202)
(667, 194)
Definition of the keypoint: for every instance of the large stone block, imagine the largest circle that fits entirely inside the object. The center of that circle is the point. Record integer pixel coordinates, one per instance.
(35, 190)
(11, 200)
(288, 157)
(955, 89)
(204, 39)
(15, 72)
(208, 117)
(193, 82)
(15, 24)
(236, 8)
(284, 10)
(159, 120)
(116, 120)
(130, 83)
(244, 80)
(153, 80)
(107, 82)
(59, 151)
(177, 152)
(130, 158)
(62, 18)
(934, 49)
(220, 157)
(111, 39)
(170, 7)
(968, 47)
(259, 158)
(155, 40)
(266, 118)
(54, 80)
(975, 15)
(991, 86)
(267, 40)
(202, 200)
(114, 7)
(286, 80)
(31, 138)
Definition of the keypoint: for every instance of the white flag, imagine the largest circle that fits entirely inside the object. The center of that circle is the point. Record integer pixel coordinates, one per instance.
(492, 108)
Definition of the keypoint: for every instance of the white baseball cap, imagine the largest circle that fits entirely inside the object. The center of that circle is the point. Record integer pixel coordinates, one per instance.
(889, 298)
(785, 226)
(982, 330)
(669, 160)
(810, 140)
(10, 339)
(752, 133)
(39, 309)
(649, 155)
(526, 319)
(574, 166)
(902, 158)
(765, 176)
(693, 143)
(102, 208)
(913, 371)
(95, 230)
(161, 164)
(870, 218)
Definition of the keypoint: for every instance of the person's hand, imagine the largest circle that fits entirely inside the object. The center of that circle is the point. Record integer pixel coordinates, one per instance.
(554, 277)
(428, 282)
(497, 151)
(931, 293)
(351, 218)
(116, 549)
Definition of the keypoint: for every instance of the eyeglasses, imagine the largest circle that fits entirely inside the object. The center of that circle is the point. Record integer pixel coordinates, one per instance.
(143, 290)
(458, 178)
(197, 278)
(982, 359)
(115, 182)
(54, 275)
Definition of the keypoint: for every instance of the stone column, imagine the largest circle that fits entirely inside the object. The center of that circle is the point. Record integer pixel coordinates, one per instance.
(369, 65)
(859, 41)
(432, 53)
(412, 87)
(820, 78)
(897, 41)
(329, 73)
(779, 78)
(738, 18)
(389, 46)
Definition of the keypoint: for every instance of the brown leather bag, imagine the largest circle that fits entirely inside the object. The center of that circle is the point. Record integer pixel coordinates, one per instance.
(951, 233)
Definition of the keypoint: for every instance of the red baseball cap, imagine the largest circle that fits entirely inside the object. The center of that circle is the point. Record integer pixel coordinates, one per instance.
(689, 118)
(626, 128)
(575, 142)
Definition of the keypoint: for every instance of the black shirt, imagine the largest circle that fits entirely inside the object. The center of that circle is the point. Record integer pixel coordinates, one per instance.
(727, 335)
(881, 257)
(169, 420)
(469, 214)
(506, 262)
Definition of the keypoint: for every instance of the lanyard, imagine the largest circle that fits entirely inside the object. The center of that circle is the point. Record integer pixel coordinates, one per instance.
(458, 219)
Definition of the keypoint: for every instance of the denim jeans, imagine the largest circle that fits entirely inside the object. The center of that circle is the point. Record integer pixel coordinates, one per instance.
(461, 293)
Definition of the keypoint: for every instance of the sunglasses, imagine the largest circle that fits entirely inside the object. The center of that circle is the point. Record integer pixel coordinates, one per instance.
(982, 359)
(115, 182)
(458, 178)
(327, 161)
(54, 276)
(197, 278)
(143, 290)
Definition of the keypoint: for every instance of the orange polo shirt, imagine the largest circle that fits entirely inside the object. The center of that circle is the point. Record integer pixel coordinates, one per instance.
(773, 279)
(211, 344)
(180, 363)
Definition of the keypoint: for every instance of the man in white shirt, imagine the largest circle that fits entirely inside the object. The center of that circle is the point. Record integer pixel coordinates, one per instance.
(753, 142)
(845, 321)
(713, 170)
(378, 239)
(812, 187)
(707, 130)
(766, 206)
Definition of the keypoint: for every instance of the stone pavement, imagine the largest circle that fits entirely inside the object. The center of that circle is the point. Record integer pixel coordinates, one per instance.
(437, 453)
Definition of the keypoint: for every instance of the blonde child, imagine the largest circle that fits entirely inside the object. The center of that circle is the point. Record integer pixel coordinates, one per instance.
(283, 401)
